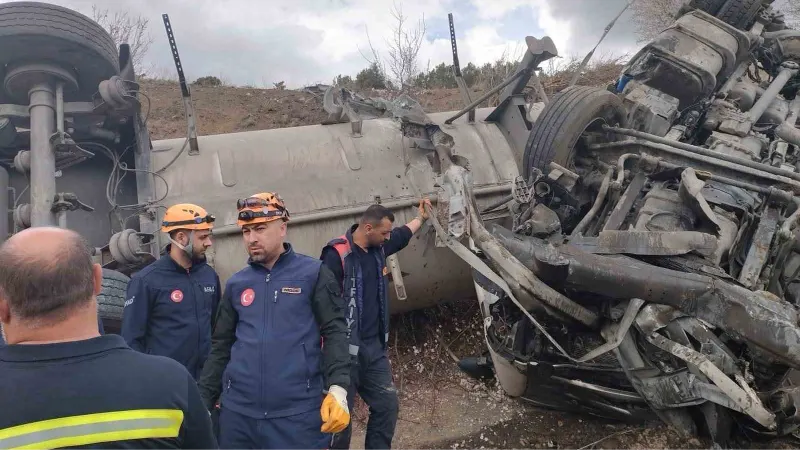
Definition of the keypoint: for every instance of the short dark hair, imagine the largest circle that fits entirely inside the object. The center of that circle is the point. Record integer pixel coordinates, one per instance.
(47, 287)
(375, 214)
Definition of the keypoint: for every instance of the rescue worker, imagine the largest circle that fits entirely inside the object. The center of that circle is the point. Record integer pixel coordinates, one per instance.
(267, 361)
(171, 303)
(358, 260)
(65, 385)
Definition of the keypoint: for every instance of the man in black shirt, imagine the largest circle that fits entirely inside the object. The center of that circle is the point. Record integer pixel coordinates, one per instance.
(358, 260)
(65, 385)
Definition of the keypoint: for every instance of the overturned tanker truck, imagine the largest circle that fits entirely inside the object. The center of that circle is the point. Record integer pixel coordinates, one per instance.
(634, 249)
(651, 261)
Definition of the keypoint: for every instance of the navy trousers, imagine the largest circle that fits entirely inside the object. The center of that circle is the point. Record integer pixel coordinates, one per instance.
(371, 378)
(299, 431)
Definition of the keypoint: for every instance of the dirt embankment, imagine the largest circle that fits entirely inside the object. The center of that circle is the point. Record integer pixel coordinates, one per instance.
(227, 109)
(224, 109)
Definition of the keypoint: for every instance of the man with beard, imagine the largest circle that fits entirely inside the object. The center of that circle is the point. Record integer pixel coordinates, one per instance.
(267, 362)
(358, 260)
(170, 304)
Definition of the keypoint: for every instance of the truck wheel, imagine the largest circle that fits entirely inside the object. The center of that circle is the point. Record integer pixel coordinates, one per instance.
(111, 300)
(709, 6)
(739, 13)
(569, 114)
(38, 32)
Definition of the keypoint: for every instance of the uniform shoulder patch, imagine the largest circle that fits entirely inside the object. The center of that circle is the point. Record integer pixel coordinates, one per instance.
(291, 290)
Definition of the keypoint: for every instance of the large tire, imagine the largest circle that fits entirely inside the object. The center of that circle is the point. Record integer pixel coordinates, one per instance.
(111, 300)
(709, 6)
(40, 32)
(564, 119)
(739, 13)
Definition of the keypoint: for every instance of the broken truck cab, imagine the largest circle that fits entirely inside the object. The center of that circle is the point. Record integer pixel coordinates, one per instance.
(651, 263)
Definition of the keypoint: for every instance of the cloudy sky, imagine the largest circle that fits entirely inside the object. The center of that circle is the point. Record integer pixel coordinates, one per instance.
(258, 42)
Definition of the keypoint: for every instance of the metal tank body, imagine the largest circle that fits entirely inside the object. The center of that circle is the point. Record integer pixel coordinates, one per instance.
(327, 178)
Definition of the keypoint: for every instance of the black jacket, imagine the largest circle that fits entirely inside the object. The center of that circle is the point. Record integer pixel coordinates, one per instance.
(102, 394)
(266, 359)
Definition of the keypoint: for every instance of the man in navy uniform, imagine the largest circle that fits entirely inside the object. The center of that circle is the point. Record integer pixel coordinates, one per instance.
(358, 259)
(267, 364)
(170, 304)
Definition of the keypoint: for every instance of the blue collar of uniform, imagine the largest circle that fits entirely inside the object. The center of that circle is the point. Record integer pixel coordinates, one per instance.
(61, 350)
(288, 253)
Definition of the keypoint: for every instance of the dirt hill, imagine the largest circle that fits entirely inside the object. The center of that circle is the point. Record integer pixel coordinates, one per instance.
(225, 109)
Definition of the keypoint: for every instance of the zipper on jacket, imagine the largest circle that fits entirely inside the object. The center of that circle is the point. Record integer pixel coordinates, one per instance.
(229, 384)
(261, 347)
(196, 310)
(275, 298)
(305, 363)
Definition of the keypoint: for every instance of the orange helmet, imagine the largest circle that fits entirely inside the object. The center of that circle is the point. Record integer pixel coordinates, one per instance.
(261, 208)
(186, 216)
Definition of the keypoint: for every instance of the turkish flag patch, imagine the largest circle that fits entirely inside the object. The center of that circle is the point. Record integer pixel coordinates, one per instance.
(248, 295)
(176, 296)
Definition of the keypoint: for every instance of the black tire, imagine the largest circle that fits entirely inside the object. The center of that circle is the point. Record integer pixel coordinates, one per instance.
(568, 114)
(710, 6)
(38, 32)
(739, 13)
(111, 300)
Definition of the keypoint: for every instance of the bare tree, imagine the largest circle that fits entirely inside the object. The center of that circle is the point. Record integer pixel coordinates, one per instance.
(126, 29)
(373, 57)
(653, 16)
(402, 49)
(404, 46)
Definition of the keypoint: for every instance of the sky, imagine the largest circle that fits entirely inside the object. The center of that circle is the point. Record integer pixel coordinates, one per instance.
(302, 42)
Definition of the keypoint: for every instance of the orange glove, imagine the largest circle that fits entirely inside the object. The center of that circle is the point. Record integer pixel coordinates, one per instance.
(335, 413)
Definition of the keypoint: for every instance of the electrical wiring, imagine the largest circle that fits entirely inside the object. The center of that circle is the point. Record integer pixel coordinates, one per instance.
(149, 106)
(119, 170)
(175, 158)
